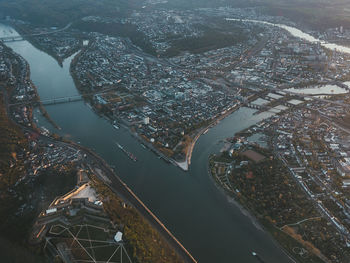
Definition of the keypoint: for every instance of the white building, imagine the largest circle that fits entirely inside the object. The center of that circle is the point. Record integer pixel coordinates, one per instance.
(118, 237)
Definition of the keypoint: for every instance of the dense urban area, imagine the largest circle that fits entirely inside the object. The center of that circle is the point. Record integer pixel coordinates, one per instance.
(169, 76)
(82, 211)
(171, 98)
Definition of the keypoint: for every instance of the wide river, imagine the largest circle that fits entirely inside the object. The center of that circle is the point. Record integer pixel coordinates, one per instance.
(209, 224)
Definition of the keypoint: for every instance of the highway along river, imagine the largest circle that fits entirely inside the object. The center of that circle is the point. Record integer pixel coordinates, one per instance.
(209, 225)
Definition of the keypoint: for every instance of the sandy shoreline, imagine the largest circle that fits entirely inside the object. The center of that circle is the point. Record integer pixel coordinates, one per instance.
(185, 165)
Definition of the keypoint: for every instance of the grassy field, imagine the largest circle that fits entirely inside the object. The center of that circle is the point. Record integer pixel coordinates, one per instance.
(89, 242)
(298, 250)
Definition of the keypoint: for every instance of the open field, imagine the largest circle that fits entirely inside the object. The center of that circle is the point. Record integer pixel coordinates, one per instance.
(89, 243)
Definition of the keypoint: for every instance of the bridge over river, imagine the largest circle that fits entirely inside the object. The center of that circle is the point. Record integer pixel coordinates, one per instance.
(51, 101)
(22, 37)
(60, 100)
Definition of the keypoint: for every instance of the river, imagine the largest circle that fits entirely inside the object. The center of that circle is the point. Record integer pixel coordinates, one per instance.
(297, 33)
(208, 224)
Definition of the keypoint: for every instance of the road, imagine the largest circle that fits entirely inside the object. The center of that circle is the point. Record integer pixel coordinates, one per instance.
(119, 188)
(122, 190)
(317, 203)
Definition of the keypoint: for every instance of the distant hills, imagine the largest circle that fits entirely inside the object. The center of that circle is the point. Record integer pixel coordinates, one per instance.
(316, 14)
(60, 12)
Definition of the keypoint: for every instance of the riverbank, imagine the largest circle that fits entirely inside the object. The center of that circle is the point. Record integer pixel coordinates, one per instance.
(185, 165)
(115, 183)
(36, 44)
(110, 179)
(245, 211)
(297, 33)
(243, 184)
(163, 187)
(187, 162)
(232, 199)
